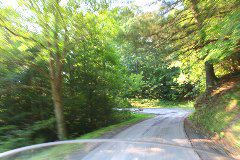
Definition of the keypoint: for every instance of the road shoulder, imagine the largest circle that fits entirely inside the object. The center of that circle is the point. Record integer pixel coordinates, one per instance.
(200, 142)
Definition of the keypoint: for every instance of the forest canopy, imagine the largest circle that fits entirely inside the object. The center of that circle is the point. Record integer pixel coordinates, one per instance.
(68, 64)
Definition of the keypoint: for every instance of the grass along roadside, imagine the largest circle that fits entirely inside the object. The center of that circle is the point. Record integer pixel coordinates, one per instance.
(155, 103)
(60, 152)
(100, 132)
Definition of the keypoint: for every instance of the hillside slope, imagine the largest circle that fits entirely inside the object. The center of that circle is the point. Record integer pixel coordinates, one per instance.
(218, 114)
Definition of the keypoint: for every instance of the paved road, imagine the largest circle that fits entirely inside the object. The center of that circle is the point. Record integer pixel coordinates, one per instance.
(166, 127)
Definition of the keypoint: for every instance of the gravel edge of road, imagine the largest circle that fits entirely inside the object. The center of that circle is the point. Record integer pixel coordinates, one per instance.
(200, 141)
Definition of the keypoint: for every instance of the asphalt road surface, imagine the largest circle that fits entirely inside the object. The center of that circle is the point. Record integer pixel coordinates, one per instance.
(166, 128)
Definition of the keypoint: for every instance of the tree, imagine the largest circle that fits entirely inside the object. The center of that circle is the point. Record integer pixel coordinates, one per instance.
(64, 35)
(51, 42)
(209, 69)
(183, 31)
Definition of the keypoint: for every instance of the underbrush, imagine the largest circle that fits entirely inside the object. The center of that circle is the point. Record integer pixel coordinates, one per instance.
(12, 136)
(60, 152)
(155, 103)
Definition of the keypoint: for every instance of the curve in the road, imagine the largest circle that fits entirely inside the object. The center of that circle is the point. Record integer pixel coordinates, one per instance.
(167, 127)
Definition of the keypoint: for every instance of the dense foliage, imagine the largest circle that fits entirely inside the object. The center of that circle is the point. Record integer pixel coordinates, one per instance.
(173, 45)
(68, 65)
(71, 63)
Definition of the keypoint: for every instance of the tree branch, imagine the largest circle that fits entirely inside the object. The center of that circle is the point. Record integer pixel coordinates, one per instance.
(22, 36)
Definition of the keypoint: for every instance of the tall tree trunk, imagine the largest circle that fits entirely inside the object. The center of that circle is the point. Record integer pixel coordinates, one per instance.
(56, 67)
(56, 87)
(59, 114)
(209, 69)
(211, 78)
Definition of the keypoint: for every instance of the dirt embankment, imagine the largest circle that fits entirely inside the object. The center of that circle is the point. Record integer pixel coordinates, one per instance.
(216, 121)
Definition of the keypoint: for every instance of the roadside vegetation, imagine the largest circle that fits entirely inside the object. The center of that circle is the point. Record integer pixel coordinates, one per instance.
(60, 152)
(218, 112)
(100, 132)
(155, 103)
(65, 66)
